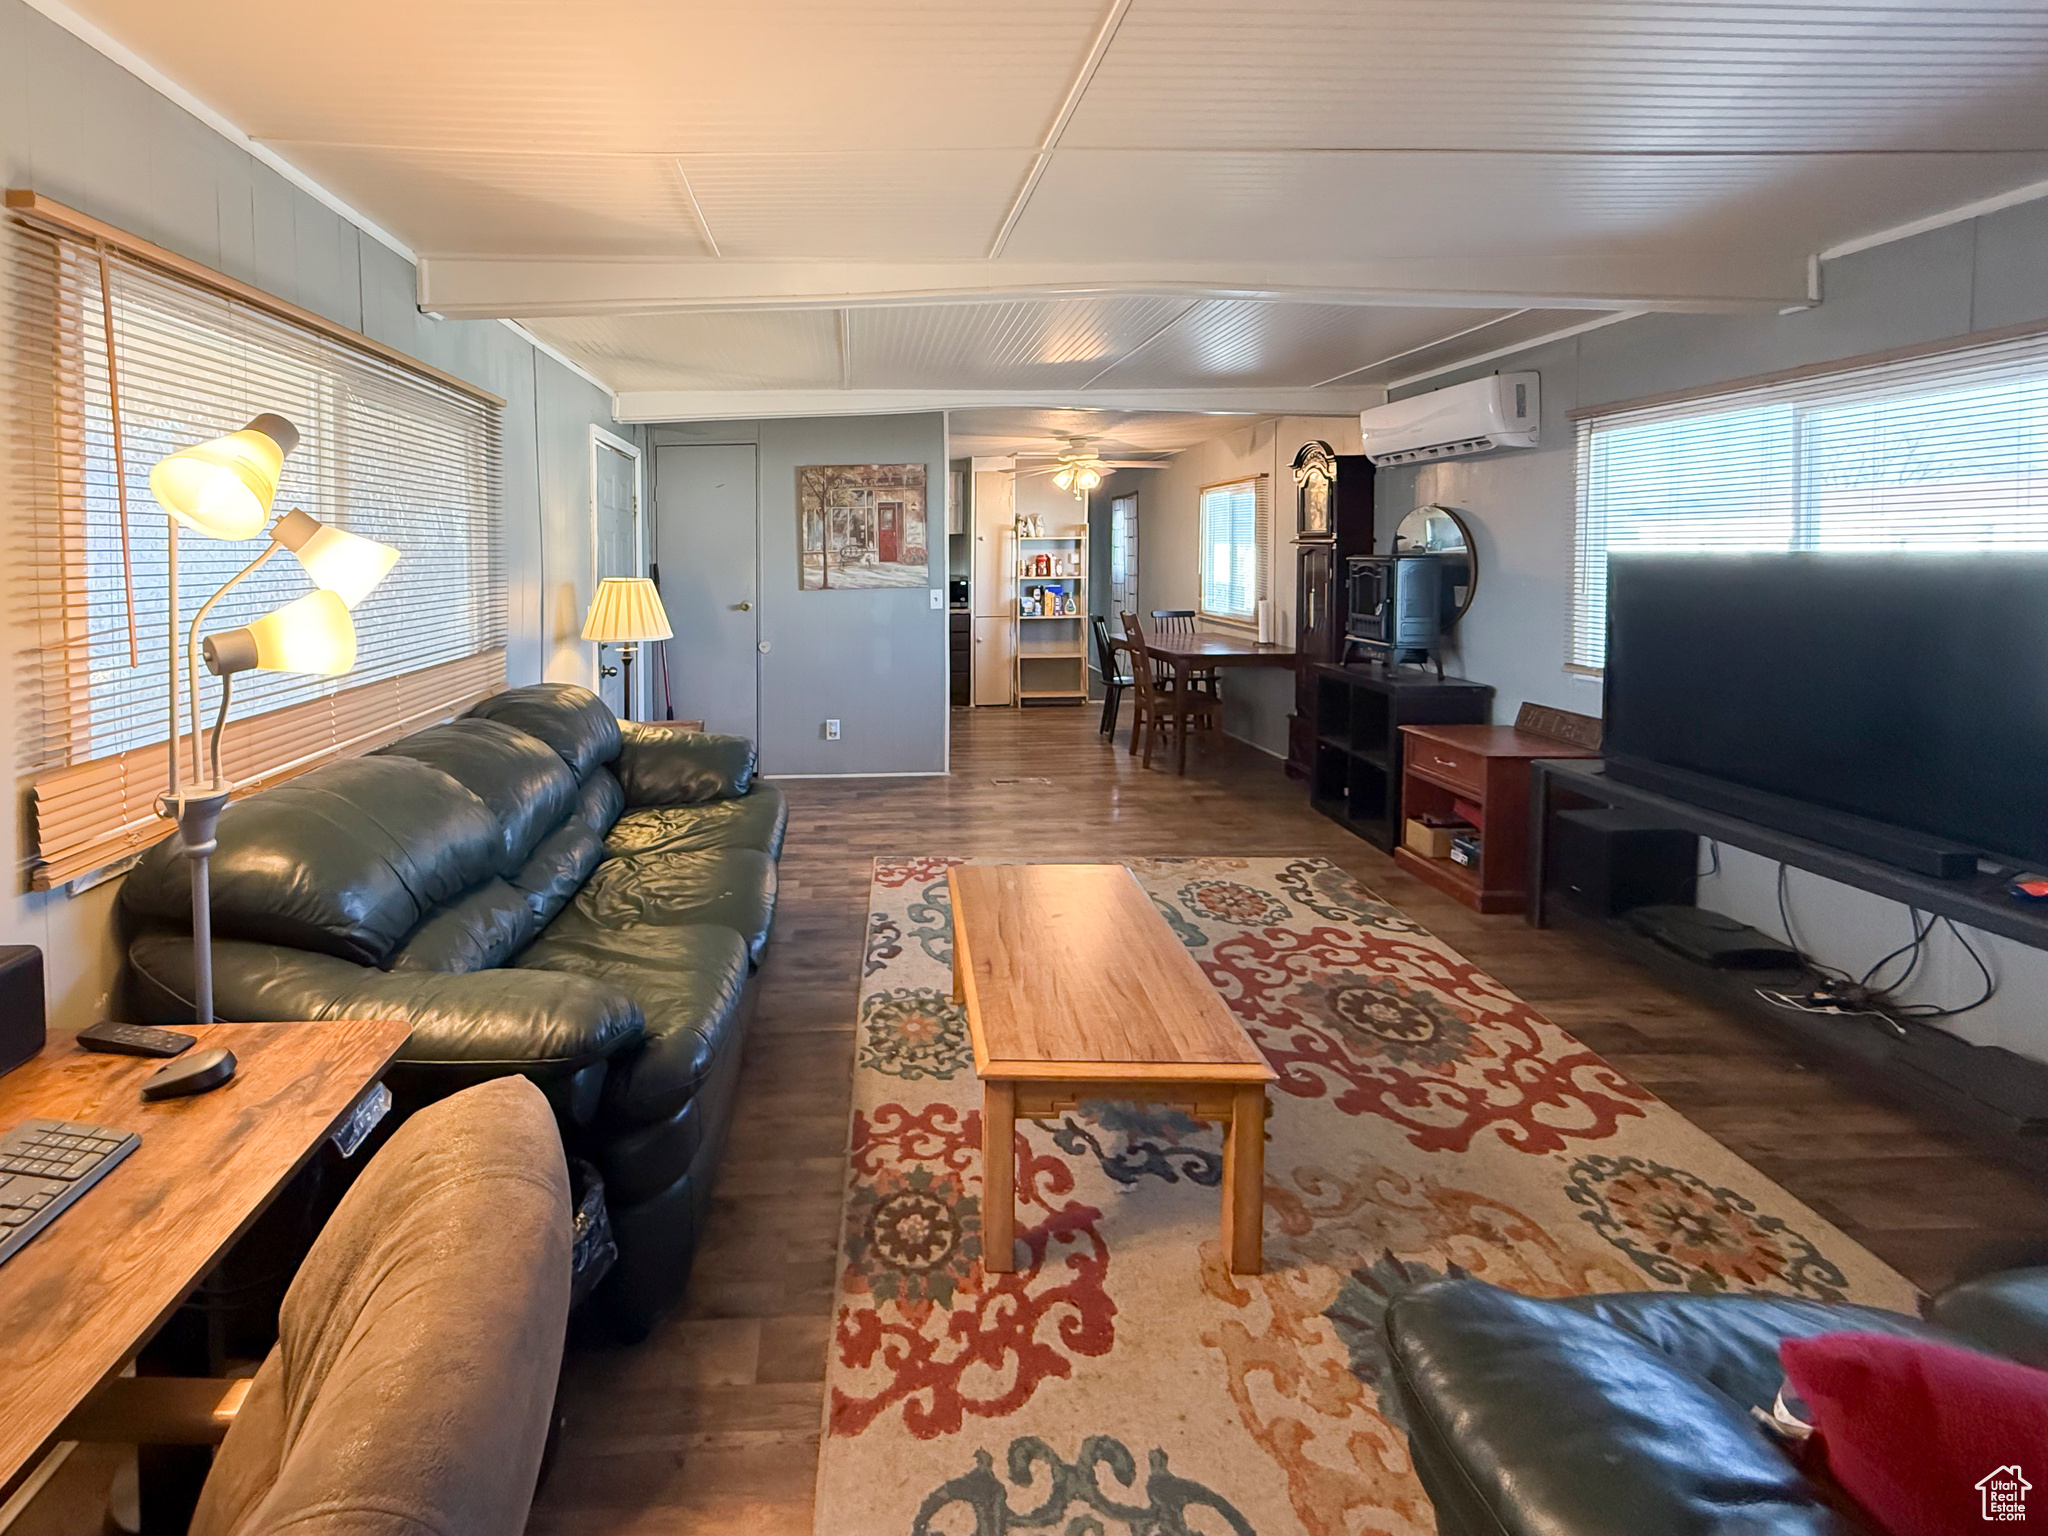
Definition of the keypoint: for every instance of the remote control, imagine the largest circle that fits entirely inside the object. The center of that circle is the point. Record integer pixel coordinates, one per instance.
(134, 1040)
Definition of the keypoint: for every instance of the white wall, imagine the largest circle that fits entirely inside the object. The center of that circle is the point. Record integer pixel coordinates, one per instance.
(1256, 702)
(1972, 276)
(83, 131)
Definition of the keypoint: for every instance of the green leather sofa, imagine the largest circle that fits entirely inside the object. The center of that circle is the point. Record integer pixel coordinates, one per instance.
(539, 890)
(1629, 1414)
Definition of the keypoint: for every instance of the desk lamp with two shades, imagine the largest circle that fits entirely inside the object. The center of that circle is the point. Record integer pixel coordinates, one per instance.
(223, 489)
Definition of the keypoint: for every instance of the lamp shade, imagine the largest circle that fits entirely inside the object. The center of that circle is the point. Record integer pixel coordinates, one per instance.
(626, 608)
(313, 634)
(224, 488)
(344, 563)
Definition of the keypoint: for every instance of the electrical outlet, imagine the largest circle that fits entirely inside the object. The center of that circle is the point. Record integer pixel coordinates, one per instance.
(831, 730)
(938, 598)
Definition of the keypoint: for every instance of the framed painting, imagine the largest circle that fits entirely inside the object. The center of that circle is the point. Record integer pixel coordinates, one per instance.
(861, 526)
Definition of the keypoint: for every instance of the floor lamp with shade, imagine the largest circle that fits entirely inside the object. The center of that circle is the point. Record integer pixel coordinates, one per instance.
(625, 612)
(224, 489)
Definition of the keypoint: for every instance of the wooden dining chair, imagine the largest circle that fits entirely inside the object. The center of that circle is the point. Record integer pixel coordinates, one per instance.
(1181, 621)
(1159, 707)
(1116, 676)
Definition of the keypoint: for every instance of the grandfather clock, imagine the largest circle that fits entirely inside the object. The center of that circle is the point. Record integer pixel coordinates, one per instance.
(1333, 521)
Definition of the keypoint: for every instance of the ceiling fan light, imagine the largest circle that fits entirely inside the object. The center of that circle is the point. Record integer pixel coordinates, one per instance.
(1063, 477)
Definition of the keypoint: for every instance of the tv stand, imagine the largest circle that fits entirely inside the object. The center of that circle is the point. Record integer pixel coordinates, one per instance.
(1978, 900)
(1989, 1093)
(1917, 852)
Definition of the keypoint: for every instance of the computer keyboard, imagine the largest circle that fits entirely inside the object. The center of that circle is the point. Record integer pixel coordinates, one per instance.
(47, 1164)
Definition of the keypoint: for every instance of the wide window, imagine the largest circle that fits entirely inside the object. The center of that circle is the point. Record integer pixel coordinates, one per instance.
(1232, 549)
(1935, 452)
(386, 450)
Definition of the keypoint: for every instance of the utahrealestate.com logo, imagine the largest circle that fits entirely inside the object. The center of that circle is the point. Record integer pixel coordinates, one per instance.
(2005, 1494)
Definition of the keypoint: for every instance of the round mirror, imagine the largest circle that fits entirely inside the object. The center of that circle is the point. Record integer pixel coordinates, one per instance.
(1440, 531)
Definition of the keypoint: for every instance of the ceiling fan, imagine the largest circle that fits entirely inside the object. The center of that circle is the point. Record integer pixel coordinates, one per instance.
(1080, 468)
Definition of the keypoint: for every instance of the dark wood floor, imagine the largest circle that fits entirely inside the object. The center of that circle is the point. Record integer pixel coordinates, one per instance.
(712, 1424)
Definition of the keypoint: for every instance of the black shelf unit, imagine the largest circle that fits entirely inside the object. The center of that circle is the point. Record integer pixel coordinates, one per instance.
(1355, 778)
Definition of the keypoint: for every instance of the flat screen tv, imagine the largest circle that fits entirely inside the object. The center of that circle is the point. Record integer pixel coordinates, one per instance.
(1889, 703)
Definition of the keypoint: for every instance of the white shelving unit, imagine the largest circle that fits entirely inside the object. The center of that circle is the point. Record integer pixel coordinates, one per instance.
(1052, 648)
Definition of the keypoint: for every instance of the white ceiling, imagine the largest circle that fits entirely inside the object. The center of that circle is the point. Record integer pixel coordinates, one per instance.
(1183, 204)
(997, 431)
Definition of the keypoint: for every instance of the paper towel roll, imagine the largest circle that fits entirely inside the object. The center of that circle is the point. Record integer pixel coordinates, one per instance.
(1265, 621)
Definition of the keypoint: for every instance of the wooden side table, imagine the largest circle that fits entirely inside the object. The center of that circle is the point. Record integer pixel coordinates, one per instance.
(1479, 772)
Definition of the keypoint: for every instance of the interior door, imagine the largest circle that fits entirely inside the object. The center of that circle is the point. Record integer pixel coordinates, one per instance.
(706, 514)
(615, 551)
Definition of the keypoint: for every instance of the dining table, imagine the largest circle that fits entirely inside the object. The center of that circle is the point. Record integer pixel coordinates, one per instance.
(1208, 652)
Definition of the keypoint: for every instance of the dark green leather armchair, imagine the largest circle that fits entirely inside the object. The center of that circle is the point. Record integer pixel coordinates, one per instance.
(536, 889)
(1622, 1415)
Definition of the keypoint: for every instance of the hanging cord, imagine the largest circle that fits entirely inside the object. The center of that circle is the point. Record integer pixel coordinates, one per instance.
(1862, 993)
(1927, 1011)
(668, 702)
(1914, 948)
(120, 459)
(1842, 978)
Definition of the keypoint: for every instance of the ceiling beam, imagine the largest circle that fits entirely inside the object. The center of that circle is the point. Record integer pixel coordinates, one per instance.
(1105, 34)
(492, 287)
(1117, 362)
(1424, 346)
(758, 404)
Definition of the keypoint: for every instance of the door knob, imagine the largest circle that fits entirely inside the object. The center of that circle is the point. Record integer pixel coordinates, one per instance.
(744, 607)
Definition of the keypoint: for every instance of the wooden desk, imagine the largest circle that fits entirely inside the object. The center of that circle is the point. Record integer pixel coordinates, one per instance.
(1189, 654)
(80, 1300)
(1076, 990)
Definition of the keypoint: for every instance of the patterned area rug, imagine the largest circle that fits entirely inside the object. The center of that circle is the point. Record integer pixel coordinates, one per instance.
(1426, 1123)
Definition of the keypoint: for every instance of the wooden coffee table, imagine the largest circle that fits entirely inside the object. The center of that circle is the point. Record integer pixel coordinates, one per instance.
(1076, 990)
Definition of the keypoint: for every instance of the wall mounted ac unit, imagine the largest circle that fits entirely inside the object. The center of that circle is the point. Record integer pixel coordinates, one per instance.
(1501, 411)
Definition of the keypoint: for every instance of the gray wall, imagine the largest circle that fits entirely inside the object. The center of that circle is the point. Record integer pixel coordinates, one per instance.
(80, 129)
(876, 661)
(1972, 276)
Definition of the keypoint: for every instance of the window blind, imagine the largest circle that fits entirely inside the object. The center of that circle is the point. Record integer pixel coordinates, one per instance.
(1934, 453)
(1235, 523)
(385, 451)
